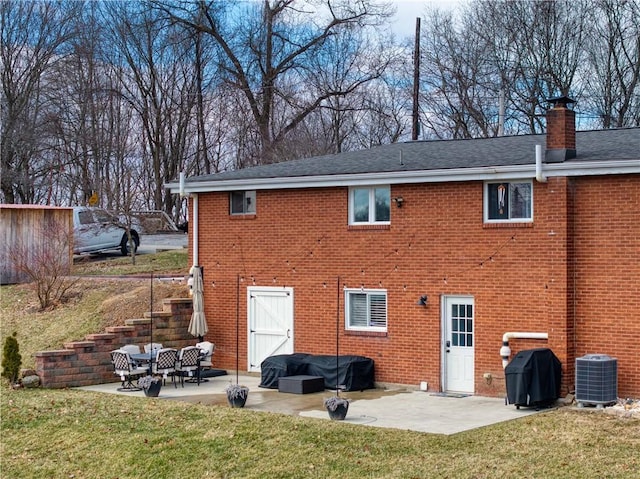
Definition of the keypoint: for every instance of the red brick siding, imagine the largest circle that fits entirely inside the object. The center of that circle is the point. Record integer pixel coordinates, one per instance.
(607, 280)
(561, 128)
(437, 245)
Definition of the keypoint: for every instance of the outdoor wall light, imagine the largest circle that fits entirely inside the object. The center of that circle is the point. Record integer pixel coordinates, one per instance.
(423, 300)
(398, 201)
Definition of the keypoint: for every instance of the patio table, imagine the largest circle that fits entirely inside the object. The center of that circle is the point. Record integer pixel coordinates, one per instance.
(141, 358)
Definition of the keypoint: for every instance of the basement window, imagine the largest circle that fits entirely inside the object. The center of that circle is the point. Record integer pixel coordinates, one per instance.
(366, 310)
(242, 202)
(508, 201)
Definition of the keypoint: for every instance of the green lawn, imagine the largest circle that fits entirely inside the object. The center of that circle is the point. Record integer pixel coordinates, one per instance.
(79, 434)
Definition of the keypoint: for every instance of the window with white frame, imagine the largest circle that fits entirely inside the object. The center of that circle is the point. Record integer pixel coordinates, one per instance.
(508, 201)
(242, 202)
(369, 205)
(366, 310)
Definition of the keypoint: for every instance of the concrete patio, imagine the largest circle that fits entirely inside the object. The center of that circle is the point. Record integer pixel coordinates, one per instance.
(394, 406)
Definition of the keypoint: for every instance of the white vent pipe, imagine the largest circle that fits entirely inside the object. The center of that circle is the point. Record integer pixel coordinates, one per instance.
(505, 350)
(539, 175)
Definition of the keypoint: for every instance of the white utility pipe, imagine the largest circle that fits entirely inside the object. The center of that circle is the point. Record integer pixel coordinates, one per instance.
(505, 350)
(539, 175)
(194, 229)
(182, 193)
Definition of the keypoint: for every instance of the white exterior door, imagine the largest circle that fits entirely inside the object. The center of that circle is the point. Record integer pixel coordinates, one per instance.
(270, 323)
(458, 344)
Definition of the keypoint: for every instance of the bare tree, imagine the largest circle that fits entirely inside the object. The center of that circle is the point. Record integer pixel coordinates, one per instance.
(160, 85)
(351, 65)
(89, 123)
(34, 36)
(612, 85)
(527, 50)
(262, 47)
(536, 49)
(45, 258)
(384, 118)
(459, 88)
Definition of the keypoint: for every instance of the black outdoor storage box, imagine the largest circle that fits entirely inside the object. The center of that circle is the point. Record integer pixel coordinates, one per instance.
(533, 378)
(301, 384)
(351, 373)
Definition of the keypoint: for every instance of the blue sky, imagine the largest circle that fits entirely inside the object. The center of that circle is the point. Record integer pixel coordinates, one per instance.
(408, 10)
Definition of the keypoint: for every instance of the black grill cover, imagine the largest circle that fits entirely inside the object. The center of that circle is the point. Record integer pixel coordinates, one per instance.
(355, 373)
(533, 378)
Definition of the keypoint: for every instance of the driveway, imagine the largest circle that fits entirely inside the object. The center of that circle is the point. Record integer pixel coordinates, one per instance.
(161, 242)
(149, 244)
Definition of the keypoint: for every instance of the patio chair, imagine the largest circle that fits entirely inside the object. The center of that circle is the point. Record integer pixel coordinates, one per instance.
(124, 367)
(188, 363)
(152, 347)
(131, 348)
(207, 348)
(165, 364)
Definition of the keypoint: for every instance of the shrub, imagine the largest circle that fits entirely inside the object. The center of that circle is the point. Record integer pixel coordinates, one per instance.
(11, 358)
(45, 260)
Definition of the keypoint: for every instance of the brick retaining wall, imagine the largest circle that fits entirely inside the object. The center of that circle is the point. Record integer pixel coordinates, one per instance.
(82, 363)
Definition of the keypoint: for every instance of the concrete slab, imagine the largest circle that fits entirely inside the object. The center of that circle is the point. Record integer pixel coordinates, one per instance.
(397, 407)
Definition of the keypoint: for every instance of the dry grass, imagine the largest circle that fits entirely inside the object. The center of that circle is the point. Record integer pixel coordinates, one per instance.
(92, 435)
(91, 305)
(173, 261)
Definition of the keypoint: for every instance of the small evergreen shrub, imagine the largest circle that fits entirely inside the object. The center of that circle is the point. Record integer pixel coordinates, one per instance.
(11, 358)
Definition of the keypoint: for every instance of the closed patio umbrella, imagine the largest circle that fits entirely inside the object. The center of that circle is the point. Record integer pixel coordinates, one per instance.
(198, 325)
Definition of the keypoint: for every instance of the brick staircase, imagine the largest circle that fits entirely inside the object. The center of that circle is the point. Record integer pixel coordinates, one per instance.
(83, 363)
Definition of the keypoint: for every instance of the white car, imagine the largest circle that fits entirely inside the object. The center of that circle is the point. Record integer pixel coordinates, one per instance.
(96, 230)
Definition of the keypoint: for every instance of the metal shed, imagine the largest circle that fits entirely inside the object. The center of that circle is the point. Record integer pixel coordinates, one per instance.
(34, 233)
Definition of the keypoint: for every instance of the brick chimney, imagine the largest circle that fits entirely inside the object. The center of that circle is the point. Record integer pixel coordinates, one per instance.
(561, 131)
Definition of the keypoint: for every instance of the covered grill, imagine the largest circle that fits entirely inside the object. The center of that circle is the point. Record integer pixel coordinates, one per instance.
(533, 378)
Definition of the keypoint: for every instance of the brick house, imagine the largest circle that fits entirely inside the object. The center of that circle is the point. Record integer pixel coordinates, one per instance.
(423, 255)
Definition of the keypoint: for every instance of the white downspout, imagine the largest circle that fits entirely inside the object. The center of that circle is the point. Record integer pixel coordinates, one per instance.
(505, 350)
(194, 226)
(194, 230)
(182, 193)
(539, 175)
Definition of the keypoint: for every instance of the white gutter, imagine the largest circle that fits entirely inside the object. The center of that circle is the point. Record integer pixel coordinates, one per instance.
(539, 175)
(505, 350)
(569, 168)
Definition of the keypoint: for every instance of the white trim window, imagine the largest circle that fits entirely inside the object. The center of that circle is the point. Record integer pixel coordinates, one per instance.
(369, 205)
(242, 203)
(510, 201)
(366, 309)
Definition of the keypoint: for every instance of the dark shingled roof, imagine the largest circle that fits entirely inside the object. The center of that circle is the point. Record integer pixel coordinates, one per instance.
(619, 144)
